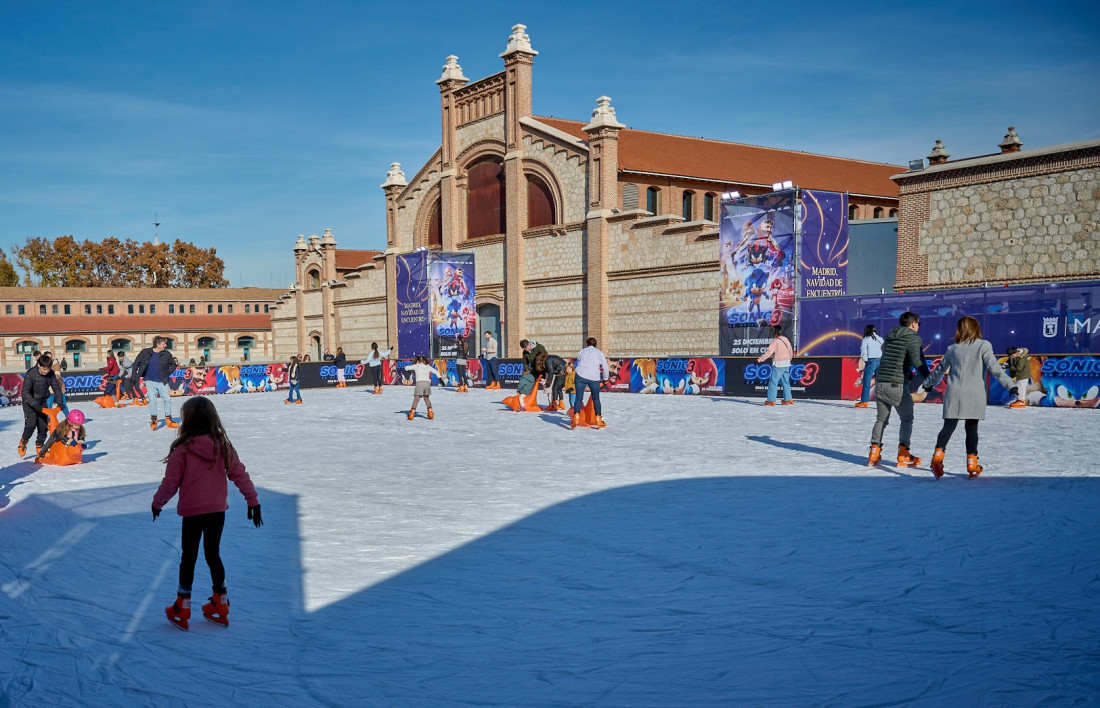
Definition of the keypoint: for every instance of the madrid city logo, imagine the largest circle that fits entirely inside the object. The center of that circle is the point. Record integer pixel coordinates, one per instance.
(1050, 326)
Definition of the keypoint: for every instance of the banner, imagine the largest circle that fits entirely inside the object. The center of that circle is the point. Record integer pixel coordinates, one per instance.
(453, 303)
(679, 376)
(1057, 318)
(413, 325)
(756, 268)
(810, 378)
(823, 251)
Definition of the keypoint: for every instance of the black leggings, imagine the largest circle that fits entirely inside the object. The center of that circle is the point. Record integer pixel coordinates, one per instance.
(556, 388)
(463, 380)
(949, 425)
(375, 375)
(209, 528)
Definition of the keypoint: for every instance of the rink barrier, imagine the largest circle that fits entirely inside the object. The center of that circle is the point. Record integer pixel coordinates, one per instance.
(1071, 381)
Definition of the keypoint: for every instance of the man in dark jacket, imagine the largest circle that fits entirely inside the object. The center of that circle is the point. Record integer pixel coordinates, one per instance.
(156, 365)
(531, 350)
(902, 352)
(555, 380)
(37, 384)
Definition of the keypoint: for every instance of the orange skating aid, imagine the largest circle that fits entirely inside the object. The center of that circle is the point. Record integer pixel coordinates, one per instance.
(62, 454)
(530, 401)
(106, 401)
(587, 416)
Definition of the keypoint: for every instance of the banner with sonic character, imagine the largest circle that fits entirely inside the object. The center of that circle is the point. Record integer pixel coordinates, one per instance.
(453, 311)
(756, 270)
(679, 376)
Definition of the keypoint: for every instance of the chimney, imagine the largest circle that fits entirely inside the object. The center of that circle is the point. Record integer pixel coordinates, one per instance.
(1012, 142)
(939, 154)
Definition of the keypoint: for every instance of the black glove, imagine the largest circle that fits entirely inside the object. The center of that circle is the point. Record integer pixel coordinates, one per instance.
(156, 511)
(254, 514)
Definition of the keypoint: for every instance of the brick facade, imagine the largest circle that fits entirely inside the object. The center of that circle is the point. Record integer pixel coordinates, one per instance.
(640, 282)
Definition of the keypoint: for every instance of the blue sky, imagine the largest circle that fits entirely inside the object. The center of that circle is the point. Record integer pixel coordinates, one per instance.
(244, 124)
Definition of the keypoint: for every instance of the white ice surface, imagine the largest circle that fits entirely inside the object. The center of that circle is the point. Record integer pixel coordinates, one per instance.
(698, 551)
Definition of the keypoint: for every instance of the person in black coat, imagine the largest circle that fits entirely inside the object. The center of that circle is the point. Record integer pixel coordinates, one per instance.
(554, 368)
(37, 384)
(340, 362)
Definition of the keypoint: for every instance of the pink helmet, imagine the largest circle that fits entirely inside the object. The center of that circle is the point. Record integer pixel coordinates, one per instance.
(75, 417)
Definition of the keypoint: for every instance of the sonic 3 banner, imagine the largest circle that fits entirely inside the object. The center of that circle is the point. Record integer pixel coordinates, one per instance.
(453, 303)
(700, 377)
(823, 251)
(756, 267)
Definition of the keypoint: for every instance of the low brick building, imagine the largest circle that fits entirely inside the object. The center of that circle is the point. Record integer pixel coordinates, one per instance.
(84, 324)
(578, 229)
(1018, 216)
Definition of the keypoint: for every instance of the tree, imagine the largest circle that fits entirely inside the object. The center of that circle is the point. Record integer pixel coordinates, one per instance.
(8, 277)
(66, 262)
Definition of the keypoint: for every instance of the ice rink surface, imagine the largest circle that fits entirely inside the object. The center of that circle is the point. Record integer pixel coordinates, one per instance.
(697, 551)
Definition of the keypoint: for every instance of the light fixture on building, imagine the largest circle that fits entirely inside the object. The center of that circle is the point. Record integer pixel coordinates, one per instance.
(776, 186)
(787, 184)
(731, 195)
(916, 165)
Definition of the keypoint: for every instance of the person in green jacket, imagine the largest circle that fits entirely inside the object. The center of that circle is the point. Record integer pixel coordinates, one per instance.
(531, 350)
(1019, 368)
(902, 352)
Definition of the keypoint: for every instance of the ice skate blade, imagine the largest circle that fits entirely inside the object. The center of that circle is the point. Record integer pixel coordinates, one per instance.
(220, 621)
(180, 624)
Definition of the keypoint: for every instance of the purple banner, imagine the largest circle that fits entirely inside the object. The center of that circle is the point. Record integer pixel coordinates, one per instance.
(1057, 318)
(453, 309)
(413, 327)
(756, 266)
(823, 251)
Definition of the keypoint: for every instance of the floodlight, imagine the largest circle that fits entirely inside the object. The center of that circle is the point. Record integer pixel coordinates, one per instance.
(777, 186)
(916, 165)
(788, 184)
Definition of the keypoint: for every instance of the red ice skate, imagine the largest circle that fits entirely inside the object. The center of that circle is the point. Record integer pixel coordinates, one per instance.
(216, 609)
(905, 459)
(875, 455)
(179, 611)
(972, 467)
(937, 462)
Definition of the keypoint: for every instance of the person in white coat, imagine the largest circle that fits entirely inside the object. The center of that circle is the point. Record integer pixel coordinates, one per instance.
(965, 365)
(374, 366)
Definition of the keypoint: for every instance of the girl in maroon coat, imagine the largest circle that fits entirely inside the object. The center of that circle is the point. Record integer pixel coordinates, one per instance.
(200, 461)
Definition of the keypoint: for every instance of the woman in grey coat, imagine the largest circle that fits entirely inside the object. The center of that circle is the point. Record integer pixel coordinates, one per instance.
(965, 364)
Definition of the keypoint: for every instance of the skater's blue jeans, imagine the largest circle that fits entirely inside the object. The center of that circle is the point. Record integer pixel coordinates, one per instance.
(780, 374)
(156, 389)
(207, 527)
(294, 390)
(868, 373)
(572, 399)
(64, 407)
(594, 387)
(491, 370)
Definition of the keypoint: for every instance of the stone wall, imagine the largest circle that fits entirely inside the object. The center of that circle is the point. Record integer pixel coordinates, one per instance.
(1036, 227)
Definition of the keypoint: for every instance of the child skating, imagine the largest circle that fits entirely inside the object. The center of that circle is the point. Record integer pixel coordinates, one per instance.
(199, 462)
(69, 432)
(423, 388)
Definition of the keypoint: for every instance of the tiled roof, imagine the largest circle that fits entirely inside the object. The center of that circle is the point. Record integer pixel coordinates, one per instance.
(735, 163)
(347, 259)
(123, 324)
(24, 293)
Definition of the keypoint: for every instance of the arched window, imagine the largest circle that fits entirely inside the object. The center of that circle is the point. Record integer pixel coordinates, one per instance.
(630, 196)
(206, 342)
(853, 212)
(893, 213)
(26, 347)
(651, 199)
(171, 343)
(75, 345)
(435, 224)
(540, 203)
(879, 212)
(123, 344)
(708, 206)
(688, 209)
(245, 342)
(314, 279)
(485, 210)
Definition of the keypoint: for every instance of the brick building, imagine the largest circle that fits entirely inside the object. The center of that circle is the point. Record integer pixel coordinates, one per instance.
(1017, 216)
(83, 324)
(578, 229)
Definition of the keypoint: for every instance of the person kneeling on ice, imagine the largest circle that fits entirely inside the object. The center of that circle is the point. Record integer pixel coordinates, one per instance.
(199, 462)
(423, 388)
(69, 431)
